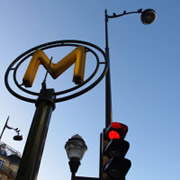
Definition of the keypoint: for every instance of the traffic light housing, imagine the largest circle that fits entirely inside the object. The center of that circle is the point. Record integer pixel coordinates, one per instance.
(113, 164)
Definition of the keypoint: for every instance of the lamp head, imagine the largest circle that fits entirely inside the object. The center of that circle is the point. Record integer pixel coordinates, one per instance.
(18, 138)
(75, 149)
(148, 16)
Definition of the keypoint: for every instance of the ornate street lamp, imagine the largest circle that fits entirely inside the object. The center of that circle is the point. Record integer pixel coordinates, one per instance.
(75, 149)
(147, 17)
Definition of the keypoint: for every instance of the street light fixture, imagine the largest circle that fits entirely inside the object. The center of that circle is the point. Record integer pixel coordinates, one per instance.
(147, 17)
(16, 137)
(75, 149)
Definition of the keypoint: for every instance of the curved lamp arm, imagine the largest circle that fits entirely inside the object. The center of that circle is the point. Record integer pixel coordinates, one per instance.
(122, 14)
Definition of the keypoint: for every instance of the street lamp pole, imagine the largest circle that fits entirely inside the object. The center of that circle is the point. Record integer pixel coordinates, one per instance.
(147, 17)
(5, 125)
(107, 77)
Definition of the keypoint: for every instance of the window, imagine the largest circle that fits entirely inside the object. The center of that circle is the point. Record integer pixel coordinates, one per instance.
(1, 163)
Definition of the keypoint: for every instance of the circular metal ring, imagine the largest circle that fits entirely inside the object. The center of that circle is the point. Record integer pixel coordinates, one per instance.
(54, 44)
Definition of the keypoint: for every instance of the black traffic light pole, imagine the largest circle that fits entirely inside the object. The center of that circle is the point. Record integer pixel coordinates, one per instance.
(107, 77)
(32, 154)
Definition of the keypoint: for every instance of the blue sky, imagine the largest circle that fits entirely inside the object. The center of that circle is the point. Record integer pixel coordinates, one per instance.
(145, 62)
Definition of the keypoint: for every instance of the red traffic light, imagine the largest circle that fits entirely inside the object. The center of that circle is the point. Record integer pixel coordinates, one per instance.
(116, 131)
(113, 135)
(113, 164)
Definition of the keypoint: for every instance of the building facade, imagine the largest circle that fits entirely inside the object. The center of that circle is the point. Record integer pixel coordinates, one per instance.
(9, 162)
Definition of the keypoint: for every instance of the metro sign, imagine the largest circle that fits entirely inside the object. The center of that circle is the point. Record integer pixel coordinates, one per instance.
(37, 57)
(77, 56)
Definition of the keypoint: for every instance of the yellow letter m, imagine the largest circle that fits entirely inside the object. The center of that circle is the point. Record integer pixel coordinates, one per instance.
(77, 56)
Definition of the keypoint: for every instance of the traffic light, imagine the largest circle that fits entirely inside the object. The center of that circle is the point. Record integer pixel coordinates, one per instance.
(113, 164)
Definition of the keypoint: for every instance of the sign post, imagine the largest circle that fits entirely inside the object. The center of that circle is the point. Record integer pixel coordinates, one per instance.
(31, 158)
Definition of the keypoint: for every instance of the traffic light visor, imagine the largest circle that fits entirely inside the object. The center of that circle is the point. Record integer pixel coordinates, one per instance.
(116, 125)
